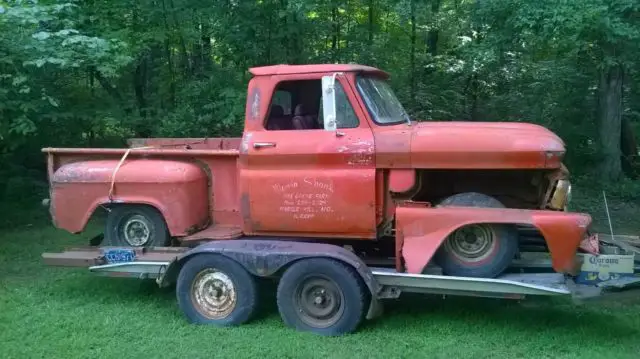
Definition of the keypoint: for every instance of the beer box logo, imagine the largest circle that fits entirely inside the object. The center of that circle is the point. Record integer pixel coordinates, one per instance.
(599, 260)
(602, 268)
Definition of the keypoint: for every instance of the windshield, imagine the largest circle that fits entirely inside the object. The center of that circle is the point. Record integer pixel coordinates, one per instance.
(382, 103)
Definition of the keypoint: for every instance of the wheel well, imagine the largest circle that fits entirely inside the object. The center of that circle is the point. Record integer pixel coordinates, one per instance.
(98, 217)
(105, 208)
(514, 188)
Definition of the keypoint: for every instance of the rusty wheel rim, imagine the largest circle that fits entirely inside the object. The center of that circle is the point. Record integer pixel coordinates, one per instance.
(472, 243)
(319, 302)
(213, 294)
(136, 230)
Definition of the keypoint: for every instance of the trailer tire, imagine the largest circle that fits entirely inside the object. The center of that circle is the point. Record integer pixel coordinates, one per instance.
(323, 296)
(482, 250)
(216, 290)
(135, 226)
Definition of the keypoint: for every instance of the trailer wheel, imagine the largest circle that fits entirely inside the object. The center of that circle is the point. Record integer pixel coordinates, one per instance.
(477, 250)
(212, 289)
(323, 296)
(135, 226)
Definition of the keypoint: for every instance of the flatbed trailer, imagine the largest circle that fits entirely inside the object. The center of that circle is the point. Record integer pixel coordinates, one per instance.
(323, 288)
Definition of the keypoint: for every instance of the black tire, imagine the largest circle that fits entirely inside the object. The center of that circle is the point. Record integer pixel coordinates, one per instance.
(222, 271)
(479, 250)
(146, 223)
(338, 286)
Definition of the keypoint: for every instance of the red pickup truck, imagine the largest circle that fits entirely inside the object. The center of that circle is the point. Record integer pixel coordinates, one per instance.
(329, 154)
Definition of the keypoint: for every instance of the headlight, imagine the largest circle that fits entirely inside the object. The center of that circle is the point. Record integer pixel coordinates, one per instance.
(561, 195)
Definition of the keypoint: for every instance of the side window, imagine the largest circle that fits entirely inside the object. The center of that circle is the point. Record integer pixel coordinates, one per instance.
(345, 115)
(282, 99)
(294, 106)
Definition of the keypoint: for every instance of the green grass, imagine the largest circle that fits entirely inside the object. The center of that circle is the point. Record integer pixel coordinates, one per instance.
(68, 313)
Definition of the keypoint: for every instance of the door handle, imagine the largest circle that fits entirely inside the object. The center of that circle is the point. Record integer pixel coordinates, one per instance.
(263, 144)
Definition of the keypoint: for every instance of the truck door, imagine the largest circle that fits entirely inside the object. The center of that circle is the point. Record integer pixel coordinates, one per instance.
(302, 179)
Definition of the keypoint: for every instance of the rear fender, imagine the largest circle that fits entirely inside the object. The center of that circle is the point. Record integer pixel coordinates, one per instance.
(420, 231)
(75, 218)
(179, 190)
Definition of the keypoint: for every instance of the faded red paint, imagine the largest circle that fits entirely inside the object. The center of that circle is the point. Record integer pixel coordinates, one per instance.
(495, 145)
(177, 189)
(316, 183)
(421, 231)
(402, 180)
(74, 197)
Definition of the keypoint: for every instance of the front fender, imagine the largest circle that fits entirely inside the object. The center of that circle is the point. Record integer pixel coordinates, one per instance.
(421, 230)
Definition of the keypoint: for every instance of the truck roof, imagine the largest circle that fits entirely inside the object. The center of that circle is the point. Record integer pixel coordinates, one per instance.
(285, 69)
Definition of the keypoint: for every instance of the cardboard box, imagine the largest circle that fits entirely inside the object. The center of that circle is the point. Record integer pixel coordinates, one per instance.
(604, 267)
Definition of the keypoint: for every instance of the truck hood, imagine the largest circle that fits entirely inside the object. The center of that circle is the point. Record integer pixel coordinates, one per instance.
(484, 145)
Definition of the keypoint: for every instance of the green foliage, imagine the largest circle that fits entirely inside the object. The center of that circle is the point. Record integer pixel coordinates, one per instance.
(93, 73)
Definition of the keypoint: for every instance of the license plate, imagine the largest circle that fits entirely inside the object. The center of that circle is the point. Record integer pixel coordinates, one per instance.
(119, 255)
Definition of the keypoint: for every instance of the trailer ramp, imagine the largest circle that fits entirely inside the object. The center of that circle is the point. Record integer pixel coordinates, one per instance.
(513, 286)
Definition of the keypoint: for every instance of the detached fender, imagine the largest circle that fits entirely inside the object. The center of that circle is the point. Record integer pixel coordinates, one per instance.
(421, 230)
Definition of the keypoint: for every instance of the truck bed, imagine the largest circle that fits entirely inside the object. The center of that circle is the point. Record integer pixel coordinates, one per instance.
(99, 173)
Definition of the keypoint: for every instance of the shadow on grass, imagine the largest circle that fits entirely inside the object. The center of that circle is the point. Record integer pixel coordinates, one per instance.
(531, 317)
(410, 313)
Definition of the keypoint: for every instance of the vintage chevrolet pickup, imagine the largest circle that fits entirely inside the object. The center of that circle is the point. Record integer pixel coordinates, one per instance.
(329, 154)
(335, 192)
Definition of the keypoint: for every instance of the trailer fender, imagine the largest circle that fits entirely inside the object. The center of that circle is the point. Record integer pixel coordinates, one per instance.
(420, 231)
(266, 257)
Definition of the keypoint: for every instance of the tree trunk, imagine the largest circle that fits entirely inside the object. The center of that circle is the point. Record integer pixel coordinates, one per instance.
(629, 148)
(433, 34)
(412, 54)
(371, 24)
(336, 29)
(610, 113)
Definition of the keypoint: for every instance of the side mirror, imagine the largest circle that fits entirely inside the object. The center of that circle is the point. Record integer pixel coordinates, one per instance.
(329, 102)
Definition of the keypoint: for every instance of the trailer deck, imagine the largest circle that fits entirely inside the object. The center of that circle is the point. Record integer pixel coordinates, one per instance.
(152, 263)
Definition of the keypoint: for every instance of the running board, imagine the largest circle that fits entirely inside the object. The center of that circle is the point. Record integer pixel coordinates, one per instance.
(507, 286)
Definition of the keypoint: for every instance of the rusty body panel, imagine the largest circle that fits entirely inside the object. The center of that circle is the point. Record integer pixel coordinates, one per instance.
(495, 146)
(177, 189)
(74, 200)
(420, 231)
(305, 182)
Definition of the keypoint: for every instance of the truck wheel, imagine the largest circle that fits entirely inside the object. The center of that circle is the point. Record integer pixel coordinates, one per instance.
(216, 290)
(323, 296)
(135, 226)
(478, 250)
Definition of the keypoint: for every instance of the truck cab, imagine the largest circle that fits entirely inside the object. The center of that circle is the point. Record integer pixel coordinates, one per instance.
(325, 144)
(329, 154)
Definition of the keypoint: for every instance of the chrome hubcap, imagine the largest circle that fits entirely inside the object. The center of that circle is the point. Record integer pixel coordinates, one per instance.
(213, 294)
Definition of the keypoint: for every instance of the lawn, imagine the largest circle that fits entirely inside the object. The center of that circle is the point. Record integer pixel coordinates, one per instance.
(69, 313)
